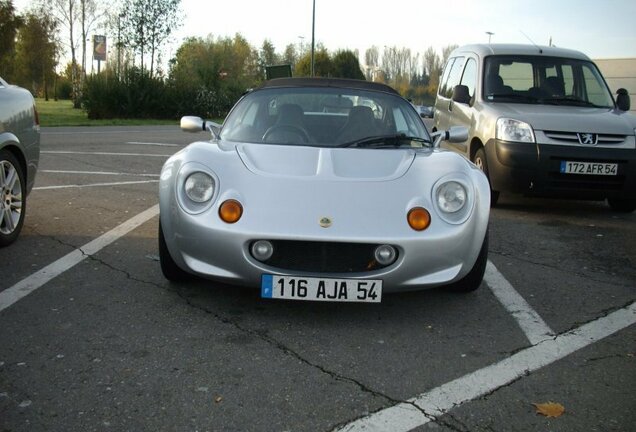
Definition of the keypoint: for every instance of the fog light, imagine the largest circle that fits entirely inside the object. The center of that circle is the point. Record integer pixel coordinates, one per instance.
(230, 211)
(262, 250)
(385, 255)
(418, 218)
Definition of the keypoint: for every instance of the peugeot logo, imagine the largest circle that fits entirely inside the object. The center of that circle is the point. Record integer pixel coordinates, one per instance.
(325, 222)
(588, 138)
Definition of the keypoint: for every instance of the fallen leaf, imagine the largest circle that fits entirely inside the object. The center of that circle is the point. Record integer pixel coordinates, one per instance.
(550, 409)
(218, 399)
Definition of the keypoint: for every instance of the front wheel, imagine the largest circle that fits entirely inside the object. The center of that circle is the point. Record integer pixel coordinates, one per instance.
(473, 279)
(169, 268)
(12, 198)
(480, 160)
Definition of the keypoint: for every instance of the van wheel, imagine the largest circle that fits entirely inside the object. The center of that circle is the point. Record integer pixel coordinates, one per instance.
(12, 198)
(622, 205)
(480, 160)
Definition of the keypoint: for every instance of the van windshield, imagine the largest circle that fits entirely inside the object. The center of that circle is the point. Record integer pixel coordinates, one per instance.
(545, 80)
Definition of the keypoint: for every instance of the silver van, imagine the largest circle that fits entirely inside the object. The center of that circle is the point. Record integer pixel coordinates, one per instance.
(542, 121)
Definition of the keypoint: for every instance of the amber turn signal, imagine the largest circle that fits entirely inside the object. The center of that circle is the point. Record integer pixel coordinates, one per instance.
(230, 211)
(418, 218)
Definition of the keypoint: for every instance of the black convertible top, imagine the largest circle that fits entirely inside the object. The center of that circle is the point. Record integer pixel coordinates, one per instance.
(328, 82)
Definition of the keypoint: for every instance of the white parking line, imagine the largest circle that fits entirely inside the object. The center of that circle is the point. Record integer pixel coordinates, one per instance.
(94, 185)
(98, 173)
(528, 319)
(406, 416)
(105, 153)
(26, 286)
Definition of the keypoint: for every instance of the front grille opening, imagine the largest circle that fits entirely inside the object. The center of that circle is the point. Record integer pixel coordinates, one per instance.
(323, 257)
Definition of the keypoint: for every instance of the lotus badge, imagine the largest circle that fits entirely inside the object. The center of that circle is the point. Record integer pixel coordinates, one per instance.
(325, 222)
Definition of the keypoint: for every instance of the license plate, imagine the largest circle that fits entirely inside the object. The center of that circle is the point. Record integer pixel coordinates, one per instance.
(590, 168)
(321, 289)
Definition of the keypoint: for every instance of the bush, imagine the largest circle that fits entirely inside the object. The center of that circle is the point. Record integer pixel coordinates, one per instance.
(138, 95)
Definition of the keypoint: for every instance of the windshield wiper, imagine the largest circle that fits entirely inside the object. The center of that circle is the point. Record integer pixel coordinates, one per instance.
(384, 141)
(569, 101)
(512, 96)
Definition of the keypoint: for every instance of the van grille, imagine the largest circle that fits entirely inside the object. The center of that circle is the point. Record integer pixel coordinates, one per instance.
(573, 138)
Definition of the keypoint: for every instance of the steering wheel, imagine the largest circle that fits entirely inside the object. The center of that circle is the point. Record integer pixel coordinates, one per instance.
(295, 130)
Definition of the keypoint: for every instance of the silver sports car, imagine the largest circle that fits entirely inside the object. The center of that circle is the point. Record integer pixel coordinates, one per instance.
(327, 190)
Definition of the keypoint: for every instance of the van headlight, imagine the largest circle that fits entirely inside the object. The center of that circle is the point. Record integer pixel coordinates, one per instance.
(514, 130)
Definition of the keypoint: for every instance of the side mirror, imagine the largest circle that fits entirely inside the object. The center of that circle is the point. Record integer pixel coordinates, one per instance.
(197, 124)
(461, 94)
(622, 100)
(455, 134)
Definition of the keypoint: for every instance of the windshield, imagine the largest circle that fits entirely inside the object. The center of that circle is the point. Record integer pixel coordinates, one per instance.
(325, 117)
(545, 80)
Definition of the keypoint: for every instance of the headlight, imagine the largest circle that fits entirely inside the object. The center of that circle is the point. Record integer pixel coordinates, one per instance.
(196, 187)
(199, 187)
(514, 130)
(451, 197)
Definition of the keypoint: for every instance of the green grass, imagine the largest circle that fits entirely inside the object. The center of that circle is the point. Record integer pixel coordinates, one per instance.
(62, 113)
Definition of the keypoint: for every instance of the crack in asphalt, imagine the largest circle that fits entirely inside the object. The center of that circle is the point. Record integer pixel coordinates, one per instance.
(556, 268)
(260, 335)
(290, 352)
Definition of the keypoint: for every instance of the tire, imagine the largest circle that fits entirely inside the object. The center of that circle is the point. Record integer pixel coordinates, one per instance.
(12, 198)
(169, 268)
(475, 276)
(480, 160)
(622, 205)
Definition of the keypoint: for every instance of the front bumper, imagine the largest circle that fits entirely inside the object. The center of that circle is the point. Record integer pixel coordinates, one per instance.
(211, 249)
(534, 169)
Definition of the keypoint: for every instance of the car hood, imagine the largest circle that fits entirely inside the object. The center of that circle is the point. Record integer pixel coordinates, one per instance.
(570, 119)
(327, 163)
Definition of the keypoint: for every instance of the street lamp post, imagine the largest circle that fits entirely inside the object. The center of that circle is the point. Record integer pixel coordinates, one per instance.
(489, 35)
(313, 34)
(121, 15)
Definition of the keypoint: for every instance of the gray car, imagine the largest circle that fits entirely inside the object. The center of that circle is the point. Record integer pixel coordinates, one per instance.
(325, 190)
(542, 121)
(19, 155)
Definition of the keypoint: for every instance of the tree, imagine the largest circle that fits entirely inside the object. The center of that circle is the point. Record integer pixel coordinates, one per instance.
(346, 65)
(147, 24)
(65, 13)
(371, 59)
(323, 66)
(9, 25)
(89, 14)
(290, 55)
(36, 53)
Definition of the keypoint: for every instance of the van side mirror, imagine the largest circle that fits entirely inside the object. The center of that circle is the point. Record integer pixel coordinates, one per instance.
(622, 100)
(461, 94)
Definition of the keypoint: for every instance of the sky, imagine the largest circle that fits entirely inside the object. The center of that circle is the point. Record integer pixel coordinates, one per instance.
(600, 29)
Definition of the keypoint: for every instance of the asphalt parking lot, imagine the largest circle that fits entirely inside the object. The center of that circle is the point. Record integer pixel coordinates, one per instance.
(93, 338)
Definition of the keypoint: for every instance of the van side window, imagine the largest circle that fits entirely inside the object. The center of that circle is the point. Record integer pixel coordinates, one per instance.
(454, 76)
(442, 82)
(469, 78)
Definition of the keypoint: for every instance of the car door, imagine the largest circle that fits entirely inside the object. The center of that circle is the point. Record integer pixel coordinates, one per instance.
(462, 114)
(441, 120)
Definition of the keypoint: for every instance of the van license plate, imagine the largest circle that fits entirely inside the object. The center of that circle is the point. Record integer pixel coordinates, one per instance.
(590, 168)
(321, 289)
